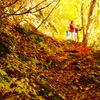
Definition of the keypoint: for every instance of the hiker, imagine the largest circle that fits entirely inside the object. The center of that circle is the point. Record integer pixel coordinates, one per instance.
(72, 30)
(77, 29)
(68, 34)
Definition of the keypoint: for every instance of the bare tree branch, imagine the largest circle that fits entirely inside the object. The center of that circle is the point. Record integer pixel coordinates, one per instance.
(48, 14)
(9, 11)
(30, 10)
(5, 14)
(10, 4)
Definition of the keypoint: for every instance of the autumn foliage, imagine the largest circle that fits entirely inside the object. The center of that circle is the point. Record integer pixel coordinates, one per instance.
(34, 66)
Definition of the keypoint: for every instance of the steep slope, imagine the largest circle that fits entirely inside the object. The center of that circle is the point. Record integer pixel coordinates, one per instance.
(34, 66)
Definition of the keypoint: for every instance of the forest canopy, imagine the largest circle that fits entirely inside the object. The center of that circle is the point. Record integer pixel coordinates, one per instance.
(52, 17)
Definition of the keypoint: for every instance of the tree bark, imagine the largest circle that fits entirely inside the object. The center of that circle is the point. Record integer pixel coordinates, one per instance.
(82, 18)
(90, 20)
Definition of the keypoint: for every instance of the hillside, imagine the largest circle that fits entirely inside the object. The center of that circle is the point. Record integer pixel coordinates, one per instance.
(34, 66)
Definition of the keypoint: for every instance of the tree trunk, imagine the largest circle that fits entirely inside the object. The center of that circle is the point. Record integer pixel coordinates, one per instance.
(82, 19)
(89, 24)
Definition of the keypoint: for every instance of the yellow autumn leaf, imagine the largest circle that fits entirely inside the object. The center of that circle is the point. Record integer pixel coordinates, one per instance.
(50, 94)
(2, 72)
(74, 87)
(87, 88)
(40, 98)
(24, 52)
(22, 80)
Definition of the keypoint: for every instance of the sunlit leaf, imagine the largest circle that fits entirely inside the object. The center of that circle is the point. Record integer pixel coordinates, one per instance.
(2, 72)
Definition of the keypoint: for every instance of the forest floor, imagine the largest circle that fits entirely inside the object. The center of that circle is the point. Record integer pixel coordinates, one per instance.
(34, 66)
